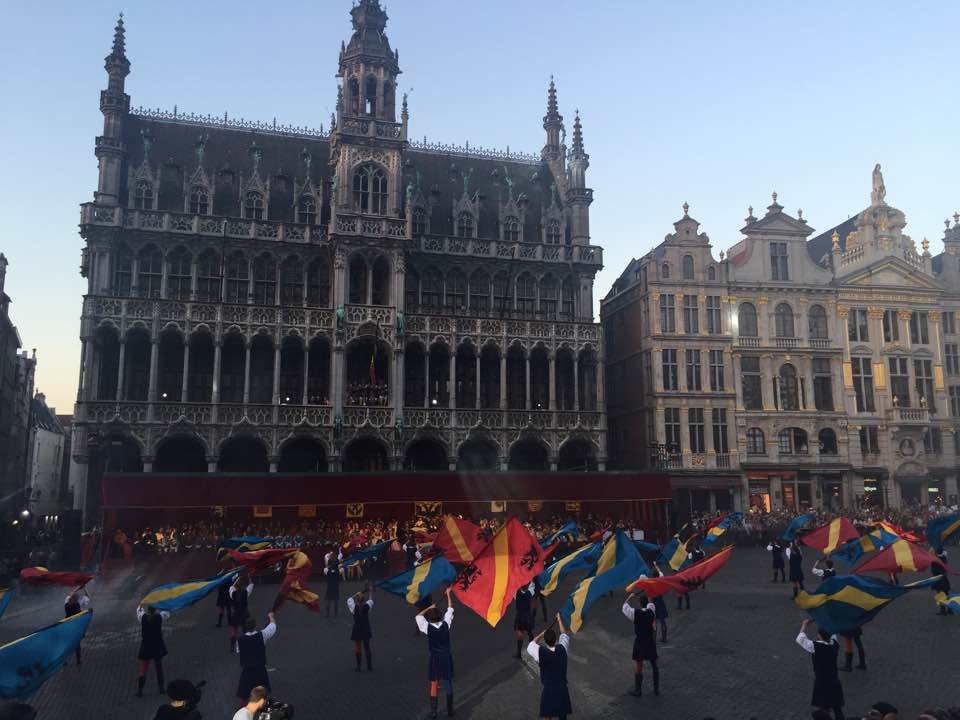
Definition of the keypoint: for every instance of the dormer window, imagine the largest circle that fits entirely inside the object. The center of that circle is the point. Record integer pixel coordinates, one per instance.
(253, 206)
(553, 232)
(778, 261)
(665, 271)
(143, 195)
(687, 267)
(711, 273)
(199, 200)
(465, 225)
(370, 190)
(419, 221)
(307, 210)
(511, 230)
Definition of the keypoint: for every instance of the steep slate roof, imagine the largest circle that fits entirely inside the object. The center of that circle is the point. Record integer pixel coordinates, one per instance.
(43, 419)
(822, 244)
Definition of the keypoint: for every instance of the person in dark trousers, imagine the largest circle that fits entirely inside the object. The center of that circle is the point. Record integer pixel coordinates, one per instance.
(360, 606)
(75, 604)
(776, 552)
(660, 608)
(440, 669)
(252, 646)
(694, 556)
(795, 558)
(523, 619)
(333, 573)
(943, 585)
(538, 599)
(411, 551)
(552, 659)
(239, 612)
(827, 691)
(223, 602)
(152, 647)
(644, 619)
(851, 638)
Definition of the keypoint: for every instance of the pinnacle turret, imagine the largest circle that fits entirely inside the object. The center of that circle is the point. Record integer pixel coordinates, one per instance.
(578, 151)
(553, 124)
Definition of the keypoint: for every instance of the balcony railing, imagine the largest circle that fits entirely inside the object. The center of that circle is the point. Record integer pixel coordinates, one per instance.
(919, 416)
(750, 342)
(509, 250)
(431, 325)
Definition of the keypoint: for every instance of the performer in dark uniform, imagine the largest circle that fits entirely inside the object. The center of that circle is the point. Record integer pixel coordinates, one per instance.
(252, 646)
(776, 552)
(440, 670)
(644, 642)
(660, 608)
(360, 606)
(827, 571)
(827, 691)
(223, 603)
(523, 620)
(411, 550)
(152, 647)
(552, 659)
(943, 586)
(74, 605)
(795, 558)
(332, 572)
(694, 556)
(538, 599)
(238, 612)
(849, 639)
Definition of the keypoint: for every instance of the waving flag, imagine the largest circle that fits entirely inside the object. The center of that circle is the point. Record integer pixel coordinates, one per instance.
(420, 580)
(261, 560)
(720, 525)
(511, 560)
(901, 556)
(27, 663)
(569, 529)
(367, 553)
(845, 602)
(877, 539)
(940, 529)
(246, 543)
(685, 580)
(582, 559)
(951, 602)
(796, 524)
(618, 563)
(644, 546)
(674, 553)
(294, 586)
(177, 596)
(458, 540)
(42, 576)
(829, 537)
(5, 595)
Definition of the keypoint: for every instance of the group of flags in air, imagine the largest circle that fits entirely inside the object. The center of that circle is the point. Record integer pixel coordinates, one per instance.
(486, 570)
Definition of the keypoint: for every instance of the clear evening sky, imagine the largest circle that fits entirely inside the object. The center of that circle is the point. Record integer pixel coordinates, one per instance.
(713, 103)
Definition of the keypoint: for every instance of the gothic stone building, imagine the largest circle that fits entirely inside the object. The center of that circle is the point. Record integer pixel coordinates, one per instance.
(268, 298)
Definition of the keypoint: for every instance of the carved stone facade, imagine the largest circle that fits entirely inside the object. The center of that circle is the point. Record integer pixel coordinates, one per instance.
(271, 298)
(845, 363)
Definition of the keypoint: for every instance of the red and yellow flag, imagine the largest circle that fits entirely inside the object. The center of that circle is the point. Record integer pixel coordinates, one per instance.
(260, 560)
(294, 586)
(901, 556)
(42, 576)
(510, 561)
(685, 580)
(458, 540)
(829, 537)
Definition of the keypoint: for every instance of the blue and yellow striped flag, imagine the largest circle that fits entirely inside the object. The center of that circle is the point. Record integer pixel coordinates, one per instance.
(367, 553)
(940, 529)
(582, 559)
(717, 531)
(420, 580)
(569, 529)
(799, 522)
(247, 543)
(620, 563)
(674, 553)
(950, 602)
(846, 602)
(177, 596)
(850, 552)
(27, 663)
(5, 595)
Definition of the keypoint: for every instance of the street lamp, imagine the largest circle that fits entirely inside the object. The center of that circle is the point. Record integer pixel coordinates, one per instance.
(24, 513)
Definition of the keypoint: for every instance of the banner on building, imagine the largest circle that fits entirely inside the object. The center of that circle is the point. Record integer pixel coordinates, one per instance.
(354, 510)
(534, 505)
(498, 506)
(263, 511)
(218, 511)
(307, 511)
(428, 508)
(573, 506)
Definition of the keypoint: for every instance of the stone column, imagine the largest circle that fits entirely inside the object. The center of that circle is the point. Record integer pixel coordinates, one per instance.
(503, 381)
(336, 380)
(576, 383)
(601, 388)
(164, 276)
(276, 375)
(398, 388)
(306, 373)
(527, 405)
(552, 380)
(193, 278)
(477, 382)
(154, 355)
(185, 383)
(85, 387)
(452, 381)
(246, 372)
(120, 390)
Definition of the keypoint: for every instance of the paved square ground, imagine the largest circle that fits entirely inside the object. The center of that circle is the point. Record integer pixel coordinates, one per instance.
(731, 657)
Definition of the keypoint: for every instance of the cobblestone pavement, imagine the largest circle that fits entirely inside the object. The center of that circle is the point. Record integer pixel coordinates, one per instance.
(732, 656)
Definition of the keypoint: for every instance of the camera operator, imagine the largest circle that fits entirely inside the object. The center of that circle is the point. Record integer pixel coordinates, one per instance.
(184, 697)
(255, 703)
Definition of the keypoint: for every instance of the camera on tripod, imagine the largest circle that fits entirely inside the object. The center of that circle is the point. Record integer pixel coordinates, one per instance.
(275, 710)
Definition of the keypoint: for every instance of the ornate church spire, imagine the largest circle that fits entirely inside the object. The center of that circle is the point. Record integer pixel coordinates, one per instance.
(369, 66)
(578, 151)
(553, 124)
(116, 63)
(114, 104)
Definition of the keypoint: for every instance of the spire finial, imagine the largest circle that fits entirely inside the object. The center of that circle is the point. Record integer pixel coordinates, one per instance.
(119, 38)
(774, 195)
(750, 218)
(577, 134)
(686, 209)
(799, 213)
(404, 111)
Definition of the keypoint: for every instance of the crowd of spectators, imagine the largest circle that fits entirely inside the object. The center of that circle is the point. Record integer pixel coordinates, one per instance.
(369, 394)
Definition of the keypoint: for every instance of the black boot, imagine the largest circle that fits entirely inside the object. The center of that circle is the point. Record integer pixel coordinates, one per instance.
(220, 620)
(516, 655)
(450, 712)
(357, 656)
(795, 592)
(848, 662)
(233, 644)
(433, 707)
(637, 685)
(370, 662)
(656, 680)
(161, 685)
(141, 681)
(862, 657)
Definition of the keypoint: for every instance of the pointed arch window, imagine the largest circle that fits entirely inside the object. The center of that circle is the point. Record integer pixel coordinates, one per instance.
(238, 278)
(291, 279)
(150, 272)
(143, 195)
(199, 200)
(568, 294)
(456, 291)
(465, 225)
(548, 297)
(479, 293)
(411, 286)
(265, 280)
(687, 267)
(208, 276)
(354, 92)
(502, 297)
(419, 221)
(432, 292)
(553, 232)
(318, 283)
(307, 209)
(511, 230)
(179, 274)
(370, 190)
(526, 295)
(123, 271)
(253, 206)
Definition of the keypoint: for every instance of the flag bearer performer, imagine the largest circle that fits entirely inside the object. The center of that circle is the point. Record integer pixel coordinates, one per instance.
(152, 648)
(523, 621)
(238, 612)
(360, 605)
(440, 670)
(644, 620)
(827, 691)
(552, 659)
(74, 605)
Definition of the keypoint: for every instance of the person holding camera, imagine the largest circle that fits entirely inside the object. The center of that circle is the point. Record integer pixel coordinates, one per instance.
(184, 698)
(440, 670)
(256, 701)
(252, 646)
(360, 606)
